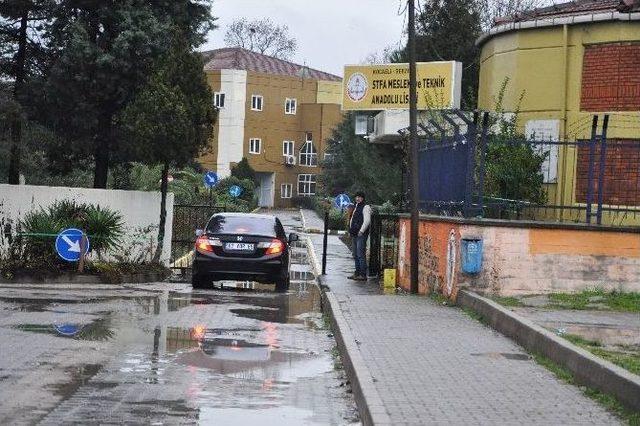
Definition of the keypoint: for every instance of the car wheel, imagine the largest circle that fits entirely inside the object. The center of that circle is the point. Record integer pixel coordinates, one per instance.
(199, 281)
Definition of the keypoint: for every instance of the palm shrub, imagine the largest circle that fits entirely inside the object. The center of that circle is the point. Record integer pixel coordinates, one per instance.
(105, 228)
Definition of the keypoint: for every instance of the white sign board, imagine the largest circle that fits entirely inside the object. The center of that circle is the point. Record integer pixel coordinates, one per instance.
(546, 130)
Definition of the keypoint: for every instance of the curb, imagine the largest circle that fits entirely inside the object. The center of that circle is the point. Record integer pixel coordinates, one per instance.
(303, 220)
(587, 369)
(311, 251)
(85, 279)
(368, 401)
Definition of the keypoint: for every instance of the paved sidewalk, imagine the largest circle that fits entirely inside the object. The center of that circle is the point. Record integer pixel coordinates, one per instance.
(431, 364)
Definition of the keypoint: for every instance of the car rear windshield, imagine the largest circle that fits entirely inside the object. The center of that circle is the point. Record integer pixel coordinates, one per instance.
(242, 225)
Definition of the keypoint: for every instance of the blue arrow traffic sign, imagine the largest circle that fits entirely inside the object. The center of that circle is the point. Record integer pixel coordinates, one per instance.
(342, 201)
(68, 244)
(210, 179)
(235, 191)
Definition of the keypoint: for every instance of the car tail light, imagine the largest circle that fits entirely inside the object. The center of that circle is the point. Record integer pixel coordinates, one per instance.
(274, 247)
(206, 244)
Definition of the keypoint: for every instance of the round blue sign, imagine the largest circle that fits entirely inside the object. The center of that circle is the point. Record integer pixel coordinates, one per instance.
(68, 244)
(342, 201)
(210, 179)
(235, 191)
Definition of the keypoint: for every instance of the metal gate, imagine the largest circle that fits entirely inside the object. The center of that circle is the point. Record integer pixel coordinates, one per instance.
(186, 219)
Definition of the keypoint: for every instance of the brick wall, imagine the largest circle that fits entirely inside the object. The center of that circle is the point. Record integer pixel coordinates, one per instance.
(610, 77)
(621, 173)
(521, 259)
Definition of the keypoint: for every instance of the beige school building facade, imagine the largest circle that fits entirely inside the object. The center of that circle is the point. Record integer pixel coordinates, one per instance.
(277, 114)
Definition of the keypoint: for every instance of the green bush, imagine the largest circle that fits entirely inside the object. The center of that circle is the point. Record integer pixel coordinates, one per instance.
(337, 220)
(244, 203)
(103, 226)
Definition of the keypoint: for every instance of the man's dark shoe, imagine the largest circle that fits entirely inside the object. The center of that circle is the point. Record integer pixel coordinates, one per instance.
(360, 278)
(353, 277)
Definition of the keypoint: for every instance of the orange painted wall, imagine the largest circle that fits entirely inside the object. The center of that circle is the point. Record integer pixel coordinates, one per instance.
(432, 248)
(520, 260)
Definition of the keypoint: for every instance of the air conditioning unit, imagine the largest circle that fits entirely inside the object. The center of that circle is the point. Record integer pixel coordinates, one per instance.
(290, 160)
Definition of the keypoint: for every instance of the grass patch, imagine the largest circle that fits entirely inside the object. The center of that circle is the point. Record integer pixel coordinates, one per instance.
(614, 300)
(474, 315)
(439, 298)
(611, 403)
(509, 301)
(337, 360)
(628, 361)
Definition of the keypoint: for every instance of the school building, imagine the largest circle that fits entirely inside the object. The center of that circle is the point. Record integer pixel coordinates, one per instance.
(277, 114)
(562, 65)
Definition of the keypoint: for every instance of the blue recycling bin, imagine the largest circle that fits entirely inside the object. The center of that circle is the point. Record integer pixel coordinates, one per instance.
(471, 249)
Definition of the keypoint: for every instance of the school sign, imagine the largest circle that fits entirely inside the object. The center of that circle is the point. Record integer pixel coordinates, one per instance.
(386, 86)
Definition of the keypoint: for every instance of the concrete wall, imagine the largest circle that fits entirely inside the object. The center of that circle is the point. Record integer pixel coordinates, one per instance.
(522, 258)
(139, 209)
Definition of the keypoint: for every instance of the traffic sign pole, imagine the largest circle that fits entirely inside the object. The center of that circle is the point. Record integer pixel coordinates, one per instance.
(83, 248)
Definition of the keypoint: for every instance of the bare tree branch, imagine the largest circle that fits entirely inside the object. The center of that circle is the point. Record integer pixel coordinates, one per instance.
(262, 36)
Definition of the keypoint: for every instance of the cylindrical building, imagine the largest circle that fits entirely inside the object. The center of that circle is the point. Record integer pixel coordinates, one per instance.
(558, 67)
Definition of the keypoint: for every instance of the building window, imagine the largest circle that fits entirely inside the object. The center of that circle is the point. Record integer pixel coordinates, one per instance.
(255, 145)
(218, 99)
(306, 185)
(286, 190)
(288, 148)
(290, 106)
(308, 153)
(328, 158)
(256, 102)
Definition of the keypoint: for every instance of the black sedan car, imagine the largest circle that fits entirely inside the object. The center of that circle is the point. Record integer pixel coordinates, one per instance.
(241, 246)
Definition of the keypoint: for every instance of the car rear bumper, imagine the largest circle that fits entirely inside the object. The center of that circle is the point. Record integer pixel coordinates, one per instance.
(238, 267)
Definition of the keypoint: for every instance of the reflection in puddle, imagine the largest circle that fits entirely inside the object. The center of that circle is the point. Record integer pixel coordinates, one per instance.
(98, 330)
(79, 376)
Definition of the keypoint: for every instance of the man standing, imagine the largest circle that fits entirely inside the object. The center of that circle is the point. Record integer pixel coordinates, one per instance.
(359, 230)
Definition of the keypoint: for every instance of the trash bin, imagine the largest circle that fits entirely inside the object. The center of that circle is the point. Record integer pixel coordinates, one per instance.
(471, 255)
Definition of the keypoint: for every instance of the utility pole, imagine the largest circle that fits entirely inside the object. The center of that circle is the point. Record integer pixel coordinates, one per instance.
(413, 141)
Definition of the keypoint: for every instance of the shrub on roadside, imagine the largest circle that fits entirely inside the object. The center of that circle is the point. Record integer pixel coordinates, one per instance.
(32, 249)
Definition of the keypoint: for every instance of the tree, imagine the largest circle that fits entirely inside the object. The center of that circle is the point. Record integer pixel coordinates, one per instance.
(105, 52)
(262, 36)
(446, 30)
(20, 52)
(491, 10)
(356, 164)
(243, 170)
(171, 118)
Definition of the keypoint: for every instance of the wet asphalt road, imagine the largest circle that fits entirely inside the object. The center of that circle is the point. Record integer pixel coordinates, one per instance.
(163, 354)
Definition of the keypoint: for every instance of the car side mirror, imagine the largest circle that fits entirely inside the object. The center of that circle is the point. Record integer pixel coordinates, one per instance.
(199, 232)
(293, 237)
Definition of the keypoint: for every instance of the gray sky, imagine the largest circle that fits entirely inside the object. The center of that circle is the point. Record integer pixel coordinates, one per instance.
(330, 33)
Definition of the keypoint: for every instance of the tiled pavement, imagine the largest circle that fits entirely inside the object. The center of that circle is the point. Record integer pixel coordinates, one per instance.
(432, 364)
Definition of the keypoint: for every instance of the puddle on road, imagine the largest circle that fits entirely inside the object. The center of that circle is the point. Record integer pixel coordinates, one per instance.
(79, 376)
(280, 416)
(98, 330)
(263, 369)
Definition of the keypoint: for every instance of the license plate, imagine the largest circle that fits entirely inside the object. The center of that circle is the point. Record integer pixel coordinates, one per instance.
(239, 246)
